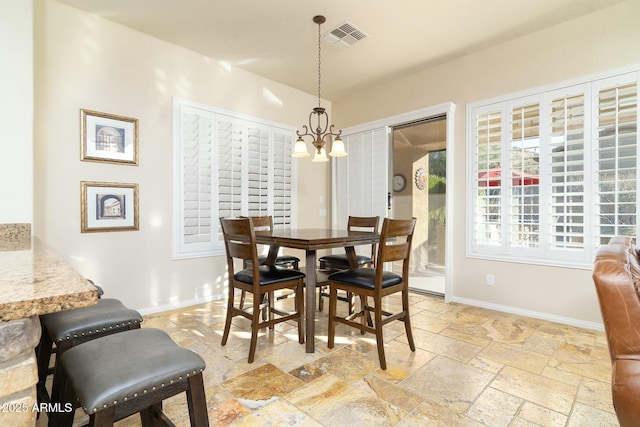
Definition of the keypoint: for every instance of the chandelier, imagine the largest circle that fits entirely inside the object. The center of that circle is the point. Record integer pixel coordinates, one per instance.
(322, 132)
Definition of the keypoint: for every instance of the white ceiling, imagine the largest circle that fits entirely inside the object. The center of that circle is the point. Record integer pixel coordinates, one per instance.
(278, 39)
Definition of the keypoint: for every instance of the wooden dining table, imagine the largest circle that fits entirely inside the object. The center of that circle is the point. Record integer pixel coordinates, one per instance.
(310, 240)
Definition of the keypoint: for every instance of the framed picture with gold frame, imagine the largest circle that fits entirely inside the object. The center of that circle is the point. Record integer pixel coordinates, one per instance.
(108, 206)
(108, 138)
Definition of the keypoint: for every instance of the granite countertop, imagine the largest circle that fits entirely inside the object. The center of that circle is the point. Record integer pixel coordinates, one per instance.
(35, 280)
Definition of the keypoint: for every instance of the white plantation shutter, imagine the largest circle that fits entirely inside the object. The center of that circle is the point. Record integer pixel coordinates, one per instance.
(282, 178)
(379, 172)
(522, 176)
(566, 160)
(195, 169)
(258, 177)
(487, 204)
(361, 178)
(229, 160)
(226, 165)
(568, 168)
(616, 159)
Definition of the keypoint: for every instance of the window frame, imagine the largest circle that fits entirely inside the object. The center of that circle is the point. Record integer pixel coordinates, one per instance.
(279, 138)
(546, 253)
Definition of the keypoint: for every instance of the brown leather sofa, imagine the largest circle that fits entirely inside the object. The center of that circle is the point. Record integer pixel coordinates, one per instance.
(616, 274)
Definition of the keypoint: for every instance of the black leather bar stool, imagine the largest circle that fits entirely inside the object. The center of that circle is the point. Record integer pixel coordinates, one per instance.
(72, 327)
(131, 372)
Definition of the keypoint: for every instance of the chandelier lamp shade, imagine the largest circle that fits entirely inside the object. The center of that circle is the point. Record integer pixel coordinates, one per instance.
(319, 129)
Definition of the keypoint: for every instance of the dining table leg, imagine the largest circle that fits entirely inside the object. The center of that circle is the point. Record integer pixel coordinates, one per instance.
(310, 290)
(310, 303)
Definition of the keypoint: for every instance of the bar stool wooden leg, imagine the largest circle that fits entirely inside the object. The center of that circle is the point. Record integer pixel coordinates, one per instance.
(197, 401)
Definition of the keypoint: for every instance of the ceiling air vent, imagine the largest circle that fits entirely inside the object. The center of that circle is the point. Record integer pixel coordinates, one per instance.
(344, 35)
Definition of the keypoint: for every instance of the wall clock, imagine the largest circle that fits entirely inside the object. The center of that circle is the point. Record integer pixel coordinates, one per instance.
(399, 182)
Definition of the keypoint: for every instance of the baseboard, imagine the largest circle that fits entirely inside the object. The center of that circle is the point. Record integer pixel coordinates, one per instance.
(181, 304)
(529, 313)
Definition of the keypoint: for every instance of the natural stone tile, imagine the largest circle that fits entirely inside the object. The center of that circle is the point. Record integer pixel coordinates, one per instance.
(445, 346)
(390, 392)
(516, 357)
(541, 416)
(508, 331)
(307, 373)
(541, 343)
(289, 355)
(586, 416)
(577, 360)
(563, 376)
(337, 404)
(546, 392)
(519, 422)
(262, 384)
(277, 413)
(595, 394)
(347, 365)
(471, 335)
(486, 364)
(427, 321)
(227, 412)
(494, 408)
(445, 380)
(440, 414)
(391, 374)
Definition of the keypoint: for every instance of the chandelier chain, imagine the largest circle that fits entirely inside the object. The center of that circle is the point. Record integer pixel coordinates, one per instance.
(319, 64)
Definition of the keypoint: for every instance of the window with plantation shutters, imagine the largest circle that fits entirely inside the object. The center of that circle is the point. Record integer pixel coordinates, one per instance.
(226, 165)
(554, 173)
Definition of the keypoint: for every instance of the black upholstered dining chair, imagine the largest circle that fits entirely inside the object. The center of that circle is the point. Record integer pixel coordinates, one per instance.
(333, 262)
(287, 261)
(340, 261)
(259, 280)
(394, 245)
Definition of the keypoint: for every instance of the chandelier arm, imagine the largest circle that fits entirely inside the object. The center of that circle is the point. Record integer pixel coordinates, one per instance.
(332, 133)
(306, 132)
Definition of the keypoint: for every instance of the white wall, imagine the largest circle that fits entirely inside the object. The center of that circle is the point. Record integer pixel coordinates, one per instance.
(83, 61)
(16, 112)
(602, 41)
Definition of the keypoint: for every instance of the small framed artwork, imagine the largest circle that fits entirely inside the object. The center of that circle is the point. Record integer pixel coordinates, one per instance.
(108, 138)
(108, 206)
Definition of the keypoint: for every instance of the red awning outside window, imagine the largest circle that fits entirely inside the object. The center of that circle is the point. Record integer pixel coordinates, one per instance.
(492, 178)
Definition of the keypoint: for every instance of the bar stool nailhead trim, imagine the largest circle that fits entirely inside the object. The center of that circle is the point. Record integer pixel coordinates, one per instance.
(82, 334)
(106, 405)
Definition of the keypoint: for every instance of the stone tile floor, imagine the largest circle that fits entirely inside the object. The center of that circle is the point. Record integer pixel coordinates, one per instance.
(472, 367)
